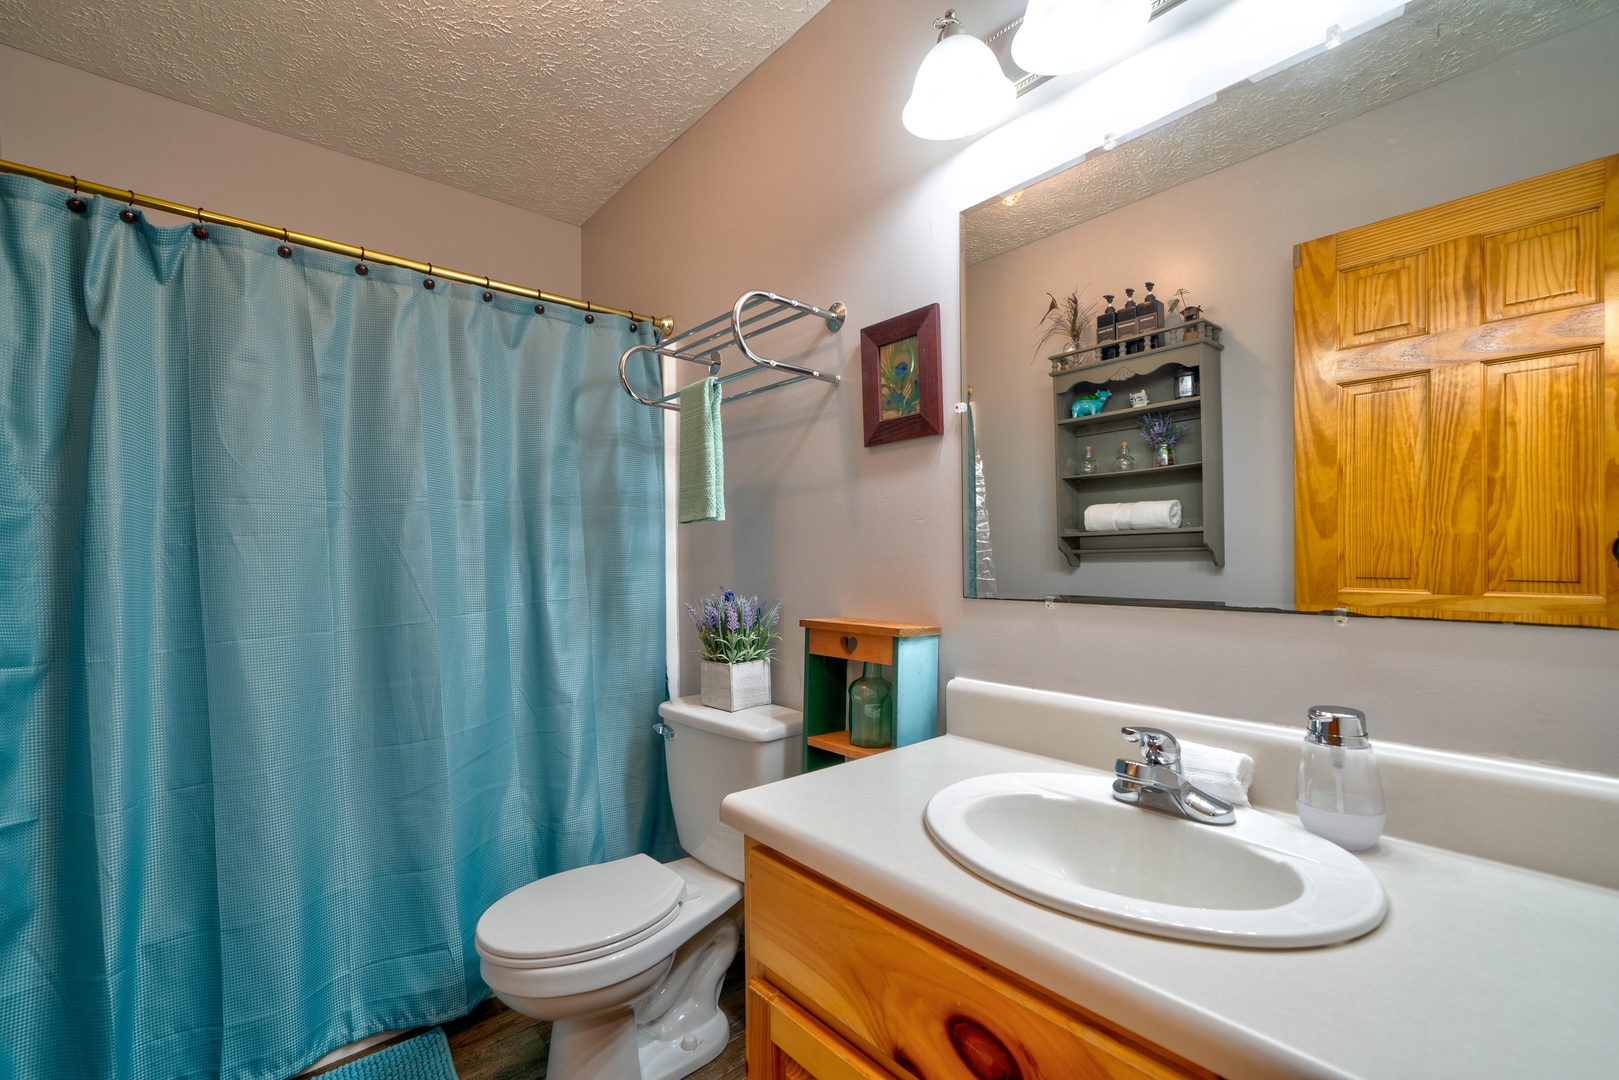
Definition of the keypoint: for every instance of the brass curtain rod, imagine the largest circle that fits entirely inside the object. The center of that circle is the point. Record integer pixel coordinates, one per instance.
(664, 324)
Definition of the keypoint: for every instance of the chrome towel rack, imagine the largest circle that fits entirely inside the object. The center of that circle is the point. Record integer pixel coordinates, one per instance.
(703, 343)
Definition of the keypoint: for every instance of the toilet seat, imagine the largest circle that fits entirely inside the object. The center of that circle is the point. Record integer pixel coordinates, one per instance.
(581, 914)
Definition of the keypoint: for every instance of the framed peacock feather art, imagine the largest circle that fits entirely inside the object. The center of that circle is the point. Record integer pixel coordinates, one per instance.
(899, 369)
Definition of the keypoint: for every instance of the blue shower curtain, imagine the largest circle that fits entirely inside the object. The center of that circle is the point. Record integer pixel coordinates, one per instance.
(331, 609)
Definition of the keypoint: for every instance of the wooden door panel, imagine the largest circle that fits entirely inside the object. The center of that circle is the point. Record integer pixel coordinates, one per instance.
(1382, 502)
(1469, 470)
(1546, 267)
(1526, 335)
(1514, 206)
(1383, 302)
(1542, 484)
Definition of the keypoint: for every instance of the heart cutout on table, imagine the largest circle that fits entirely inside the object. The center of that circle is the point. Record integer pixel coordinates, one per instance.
(850, 644)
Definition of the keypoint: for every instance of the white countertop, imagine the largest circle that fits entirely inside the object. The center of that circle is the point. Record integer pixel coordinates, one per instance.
(1481, 969)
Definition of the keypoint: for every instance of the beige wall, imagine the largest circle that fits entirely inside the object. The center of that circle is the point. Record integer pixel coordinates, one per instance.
(59, 118)
(803, 181)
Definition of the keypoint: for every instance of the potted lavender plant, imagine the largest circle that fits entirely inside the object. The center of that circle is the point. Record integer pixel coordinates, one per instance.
(1160, 431)
(734, 635)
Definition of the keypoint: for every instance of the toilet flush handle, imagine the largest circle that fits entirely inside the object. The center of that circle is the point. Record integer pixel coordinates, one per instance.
(664, 729)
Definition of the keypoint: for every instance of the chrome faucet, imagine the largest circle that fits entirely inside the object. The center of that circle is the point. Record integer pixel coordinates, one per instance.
(1156, 782)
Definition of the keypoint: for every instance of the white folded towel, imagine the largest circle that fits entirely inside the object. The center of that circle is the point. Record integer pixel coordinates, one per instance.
(1122, 517)
(1225, 774)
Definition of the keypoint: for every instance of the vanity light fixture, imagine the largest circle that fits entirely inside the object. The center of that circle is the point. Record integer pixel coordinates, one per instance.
(1128, 78)
(1062, 36)
(960, 88)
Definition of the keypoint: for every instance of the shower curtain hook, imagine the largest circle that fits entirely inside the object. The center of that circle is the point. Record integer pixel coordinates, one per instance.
(429, 282)
(589, 318)
(74, 203)
(199, 230)
(127, 214)
(360, 267)
(284, 250)
(487, 295)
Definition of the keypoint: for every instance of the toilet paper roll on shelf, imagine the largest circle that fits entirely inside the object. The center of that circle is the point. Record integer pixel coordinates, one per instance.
(1127, 516)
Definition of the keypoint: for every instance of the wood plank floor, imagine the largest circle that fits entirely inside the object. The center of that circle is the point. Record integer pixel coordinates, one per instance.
(494, 1043)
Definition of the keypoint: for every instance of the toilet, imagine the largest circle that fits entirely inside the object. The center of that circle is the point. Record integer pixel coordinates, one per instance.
(625, 958)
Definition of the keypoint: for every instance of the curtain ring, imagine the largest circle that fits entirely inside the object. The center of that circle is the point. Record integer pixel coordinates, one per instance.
(429, 282)
(284, 250)
(487, 295)
(74, 203)
(589, 318)
(199, 230)
(360, 267)
(128, 214)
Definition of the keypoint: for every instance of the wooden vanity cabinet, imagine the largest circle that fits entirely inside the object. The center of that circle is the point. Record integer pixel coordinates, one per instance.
(840, 989)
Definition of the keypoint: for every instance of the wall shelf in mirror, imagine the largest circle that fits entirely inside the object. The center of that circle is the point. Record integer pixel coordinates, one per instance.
(1127, 478)
(1194, 479)
(1105, 417)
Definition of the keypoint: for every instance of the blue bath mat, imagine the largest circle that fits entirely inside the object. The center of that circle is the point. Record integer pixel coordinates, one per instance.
(424, 1057)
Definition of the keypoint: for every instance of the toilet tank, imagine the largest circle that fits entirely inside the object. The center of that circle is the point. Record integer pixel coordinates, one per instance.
(711, 753)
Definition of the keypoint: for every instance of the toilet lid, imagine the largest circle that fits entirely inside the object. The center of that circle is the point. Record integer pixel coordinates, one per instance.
(584, 910)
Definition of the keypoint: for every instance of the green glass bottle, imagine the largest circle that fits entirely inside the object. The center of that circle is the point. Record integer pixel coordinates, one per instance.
(871, 709)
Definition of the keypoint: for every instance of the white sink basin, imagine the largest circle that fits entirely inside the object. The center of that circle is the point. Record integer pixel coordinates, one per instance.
(1062, 840)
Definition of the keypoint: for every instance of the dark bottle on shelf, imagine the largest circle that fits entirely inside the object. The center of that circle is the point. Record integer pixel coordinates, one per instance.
(1107, 330)
(1150, 316)
(1129, 319)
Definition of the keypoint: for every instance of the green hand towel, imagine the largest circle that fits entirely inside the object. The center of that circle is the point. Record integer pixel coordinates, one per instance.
(702, 453)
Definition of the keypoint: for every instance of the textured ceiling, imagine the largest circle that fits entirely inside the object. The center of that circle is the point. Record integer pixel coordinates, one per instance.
(1432, 41)
(551, 105)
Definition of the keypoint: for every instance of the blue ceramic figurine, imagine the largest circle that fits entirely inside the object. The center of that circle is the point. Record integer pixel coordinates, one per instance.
(1090, 404)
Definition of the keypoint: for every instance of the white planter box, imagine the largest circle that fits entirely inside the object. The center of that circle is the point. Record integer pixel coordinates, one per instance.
(733, 687)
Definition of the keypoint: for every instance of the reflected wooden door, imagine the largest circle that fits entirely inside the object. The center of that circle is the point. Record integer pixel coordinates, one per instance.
(1456, 408)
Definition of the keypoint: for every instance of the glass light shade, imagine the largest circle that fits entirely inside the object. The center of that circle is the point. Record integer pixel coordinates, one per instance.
(959, 89)
(1062, 36)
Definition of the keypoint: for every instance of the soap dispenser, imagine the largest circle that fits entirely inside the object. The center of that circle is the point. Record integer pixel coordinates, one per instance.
(1339, 794)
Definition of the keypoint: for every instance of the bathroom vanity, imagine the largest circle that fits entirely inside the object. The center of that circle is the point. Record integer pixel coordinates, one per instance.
(871, 953)
(918, 1005)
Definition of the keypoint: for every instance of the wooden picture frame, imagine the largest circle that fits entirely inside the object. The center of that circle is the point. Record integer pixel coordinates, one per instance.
(899, 377)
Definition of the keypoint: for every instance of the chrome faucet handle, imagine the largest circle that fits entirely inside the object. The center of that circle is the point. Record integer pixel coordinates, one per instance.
(1158, 747)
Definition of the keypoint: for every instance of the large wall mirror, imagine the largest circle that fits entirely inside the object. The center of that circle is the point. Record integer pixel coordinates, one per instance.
(1408, 116)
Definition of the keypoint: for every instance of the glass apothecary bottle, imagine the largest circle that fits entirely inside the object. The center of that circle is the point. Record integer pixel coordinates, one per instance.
(1126, 460)
(871, 709)
(1088, 464)
(1340, 795)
